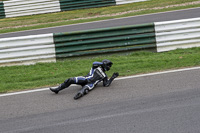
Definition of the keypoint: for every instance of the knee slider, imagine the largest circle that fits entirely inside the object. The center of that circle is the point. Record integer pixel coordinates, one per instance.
(85, 90)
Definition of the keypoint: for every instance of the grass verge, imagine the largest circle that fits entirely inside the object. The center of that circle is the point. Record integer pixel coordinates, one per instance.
(93, 14)
(17, 78)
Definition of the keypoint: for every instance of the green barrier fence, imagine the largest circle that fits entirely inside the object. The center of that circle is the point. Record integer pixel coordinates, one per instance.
(66, 5)
(2, 11)
(106, 40)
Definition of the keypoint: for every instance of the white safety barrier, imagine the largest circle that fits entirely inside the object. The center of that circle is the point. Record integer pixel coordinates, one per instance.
(14, 8)
(27, 50)
(171, 35)
(119, 2)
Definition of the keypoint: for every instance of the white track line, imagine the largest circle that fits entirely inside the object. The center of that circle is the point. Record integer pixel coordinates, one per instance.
(128, 77)
(157, 73)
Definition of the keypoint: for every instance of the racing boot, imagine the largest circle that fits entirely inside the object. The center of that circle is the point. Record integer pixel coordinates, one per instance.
(57, 89)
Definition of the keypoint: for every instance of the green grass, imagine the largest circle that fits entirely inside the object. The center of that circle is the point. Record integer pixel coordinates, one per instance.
(17, 78)
(93, 14)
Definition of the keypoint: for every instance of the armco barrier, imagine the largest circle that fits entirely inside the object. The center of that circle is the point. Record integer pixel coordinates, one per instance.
(171, 35)
(27, 50)
(14, 8)
(66, 5)
(105, 40)
(2, 12)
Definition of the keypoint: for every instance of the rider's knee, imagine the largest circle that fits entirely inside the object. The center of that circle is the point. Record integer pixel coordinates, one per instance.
(86, 90)
(69, 81)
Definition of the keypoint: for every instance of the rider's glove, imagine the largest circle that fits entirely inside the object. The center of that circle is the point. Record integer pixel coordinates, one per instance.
(115, 75)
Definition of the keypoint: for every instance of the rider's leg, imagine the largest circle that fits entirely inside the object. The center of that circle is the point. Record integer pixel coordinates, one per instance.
(85, 90)
(82, 92)
(62, 86)
(68, 82)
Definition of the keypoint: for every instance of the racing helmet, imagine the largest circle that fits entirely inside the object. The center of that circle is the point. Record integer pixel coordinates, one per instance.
(106, 64)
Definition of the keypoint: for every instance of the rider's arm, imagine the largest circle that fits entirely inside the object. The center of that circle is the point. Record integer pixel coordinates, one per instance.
(107, 82)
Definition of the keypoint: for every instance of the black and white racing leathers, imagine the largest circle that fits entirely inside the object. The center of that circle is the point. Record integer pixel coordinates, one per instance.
(96, 75)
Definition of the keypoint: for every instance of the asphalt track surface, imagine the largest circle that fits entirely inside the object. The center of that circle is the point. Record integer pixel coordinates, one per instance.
(157, 17)
(156, 103)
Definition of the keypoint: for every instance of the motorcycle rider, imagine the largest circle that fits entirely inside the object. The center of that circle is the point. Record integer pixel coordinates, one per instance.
(96, 75)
